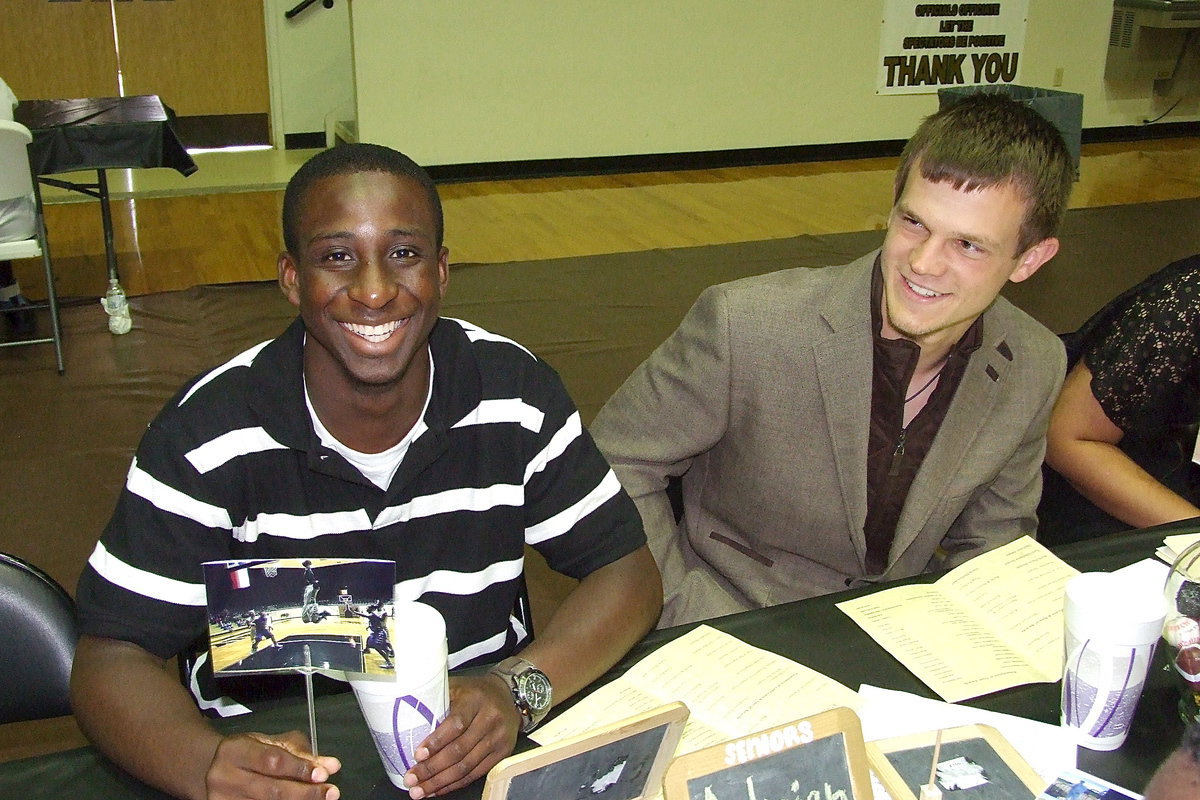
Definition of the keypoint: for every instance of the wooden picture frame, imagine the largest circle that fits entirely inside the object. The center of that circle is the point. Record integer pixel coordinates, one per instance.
(622, 761)
(824, 752)
(1007, 771)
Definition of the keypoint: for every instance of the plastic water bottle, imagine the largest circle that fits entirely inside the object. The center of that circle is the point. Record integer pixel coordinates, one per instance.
(117, 308)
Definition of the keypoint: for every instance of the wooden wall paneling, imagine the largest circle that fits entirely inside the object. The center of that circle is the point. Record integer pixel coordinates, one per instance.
(59, 49)
(202, 57)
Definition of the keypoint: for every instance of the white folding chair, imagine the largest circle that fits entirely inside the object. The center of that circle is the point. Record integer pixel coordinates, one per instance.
(16, 180)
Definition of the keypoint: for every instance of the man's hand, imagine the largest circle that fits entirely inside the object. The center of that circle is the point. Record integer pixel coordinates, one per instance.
(480, 729)
(137, 712)
(254, 765)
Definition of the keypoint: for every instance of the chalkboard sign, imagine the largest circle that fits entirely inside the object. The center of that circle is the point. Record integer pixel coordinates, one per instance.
(903, 764)
(623, 761)
(817, 757)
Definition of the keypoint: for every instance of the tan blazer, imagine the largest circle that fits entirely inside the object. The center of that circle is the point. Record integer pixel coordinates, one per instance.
(761, 401)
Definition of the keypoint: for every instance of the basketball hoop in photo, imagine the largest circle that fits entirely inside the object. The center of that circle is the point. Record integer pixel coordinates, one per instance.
(302, 617)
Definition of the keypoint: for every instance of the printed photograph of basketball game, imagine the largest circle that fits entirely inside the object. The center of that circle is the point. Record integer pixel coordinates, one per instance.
(263, 613)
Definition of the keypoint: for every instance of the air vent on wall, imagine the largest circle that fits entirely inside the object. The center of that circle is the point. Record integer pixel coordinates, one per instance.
(1121, 33)
(1147, 37)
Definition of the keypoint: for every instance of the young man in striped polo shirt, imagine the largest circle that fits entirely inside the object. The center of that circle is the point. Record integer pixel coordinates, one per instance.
(372, 428)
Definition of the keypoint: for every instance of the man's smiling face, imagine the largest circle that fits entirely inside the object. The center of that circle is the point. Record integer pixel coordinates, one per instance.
(368, 279)
(947, 254)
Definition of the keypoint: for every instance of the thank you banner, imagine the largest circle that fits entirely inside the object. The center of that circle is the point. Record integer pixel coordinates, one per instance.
(926, 46)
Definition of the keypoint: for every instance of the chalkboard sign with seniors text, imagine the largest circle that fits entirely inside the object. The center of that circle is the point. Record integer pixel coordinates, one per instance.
(817, 758)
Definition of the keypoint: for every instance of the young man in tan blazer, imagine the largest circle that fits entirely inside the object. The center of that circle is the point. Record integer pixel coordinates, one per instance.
(867, 422)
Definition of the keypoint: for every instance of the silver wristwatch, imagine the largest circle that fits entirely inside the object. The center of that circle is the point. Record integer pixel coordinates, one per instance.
(530, 689)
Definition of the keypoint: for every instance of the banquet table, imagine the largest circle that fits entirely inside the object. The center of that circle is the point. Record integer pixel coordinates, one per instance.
(813, 632)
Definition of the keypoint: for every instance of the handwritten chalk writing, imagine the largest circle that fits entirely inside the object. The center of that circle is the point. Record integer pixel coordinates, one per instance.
(816, 769)
(815, 794)
(764, 744)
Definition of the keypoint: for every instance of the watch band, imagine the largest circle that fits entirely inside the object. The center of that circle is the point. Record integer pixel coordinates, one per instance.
(531, 689)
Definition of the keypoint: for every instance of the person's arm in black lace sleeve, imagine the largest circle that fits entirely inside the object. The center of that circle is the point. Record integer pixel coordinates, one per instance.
(1135, 379)
(1082, 446)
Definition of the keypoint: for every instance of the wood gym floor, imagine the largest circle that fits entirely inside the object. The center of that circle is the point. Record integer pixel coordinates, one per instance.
(222, 223)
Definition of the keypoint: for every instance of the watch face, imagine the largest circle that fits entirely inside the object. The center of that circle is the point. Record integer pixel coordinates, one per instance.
(535, 688)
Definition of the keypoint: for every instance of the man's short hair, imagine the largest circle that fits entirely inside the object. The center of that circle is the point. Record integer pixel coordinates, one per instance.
(987, 139)
(1191, 742)
(346, 159)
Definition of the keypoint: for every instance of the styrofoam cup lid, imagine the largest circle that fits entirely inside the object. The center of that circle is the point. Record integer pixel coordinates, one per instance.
(420, 641)
(1105, 606)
